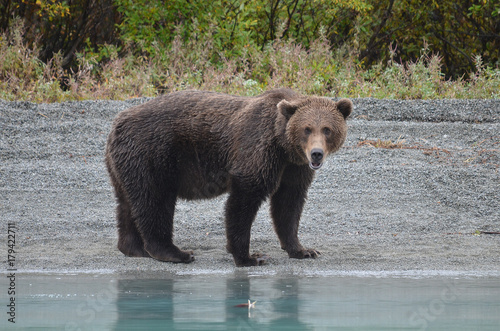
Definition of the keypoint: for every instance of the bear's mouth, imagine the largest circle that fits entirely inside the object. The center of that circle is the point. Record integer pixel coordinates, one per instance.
(315, 165)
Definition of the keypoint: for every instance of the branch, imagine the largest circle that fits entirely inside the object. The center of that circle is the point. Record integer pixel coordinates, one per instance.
(454, 47)
(289, 20)
(487, 35)
(386, 16)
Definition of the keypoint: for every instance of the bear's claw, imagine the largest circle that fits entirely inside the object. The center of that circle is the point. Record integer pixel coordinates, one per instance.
(305, 254)
(260, 258)
(255, 259)
(172, 254)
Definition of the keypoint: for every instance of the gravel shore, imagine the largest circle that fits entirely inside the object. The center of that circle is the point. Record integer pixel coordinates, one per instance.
(420, 208)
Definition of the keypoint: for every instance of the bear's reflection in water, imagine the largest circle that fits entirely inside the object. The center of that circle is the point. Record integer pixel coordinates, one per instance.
(208, 304)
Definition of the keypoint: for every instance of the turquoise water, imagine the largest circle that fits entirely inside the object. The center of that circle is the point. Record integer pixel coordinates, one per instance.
(108, 302)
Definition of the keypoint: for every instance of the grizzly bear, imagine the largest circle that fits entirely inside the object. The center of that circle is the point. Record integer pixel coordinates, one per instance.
(198, 145)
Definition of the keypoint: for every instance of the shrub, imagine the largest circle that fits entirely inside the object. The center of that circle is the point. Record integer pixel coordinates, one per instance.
(118, 72)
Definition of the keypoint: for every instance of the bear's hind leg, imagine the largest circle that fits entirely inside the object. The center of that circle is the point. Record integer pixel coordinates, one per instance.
(129, 239)
(155, 223)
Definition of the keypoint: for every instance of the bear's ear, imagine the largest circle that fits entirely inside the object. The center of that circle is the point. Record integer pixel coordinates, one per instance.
(286, 108)
(345, 107)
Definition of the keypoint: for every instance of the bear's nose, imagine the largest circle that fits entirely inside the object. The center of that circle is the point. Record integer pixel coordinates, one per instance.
(317, 155)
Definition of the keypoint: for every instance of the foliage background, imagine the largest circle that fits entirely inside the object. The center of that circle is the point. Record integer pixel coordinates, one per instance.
(63, 50)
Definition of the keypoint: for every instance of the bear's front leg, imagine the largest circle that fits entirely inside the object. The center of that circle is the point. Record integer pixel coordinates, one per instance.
(286, 208)
(241, 208)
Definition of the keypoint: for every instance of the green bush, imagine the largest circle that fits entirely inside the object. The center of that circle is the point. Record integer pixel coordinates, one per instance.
(58, 50)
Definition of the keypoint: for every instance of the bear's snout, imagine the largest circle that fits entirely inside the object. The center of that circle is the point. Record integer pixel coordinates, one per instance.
(317, 155)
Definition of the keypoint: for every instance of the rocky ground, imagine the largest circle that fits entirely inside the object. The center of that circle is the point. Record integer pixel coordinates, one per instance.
(416, 189)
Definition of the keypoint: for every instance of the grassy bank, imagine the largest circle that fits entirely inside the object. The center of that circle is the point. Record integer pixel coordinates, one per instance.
(195, 64)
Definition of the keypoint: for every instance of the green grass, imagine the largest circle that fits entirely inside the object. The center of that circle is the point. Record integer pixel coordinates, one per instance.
(197, 65)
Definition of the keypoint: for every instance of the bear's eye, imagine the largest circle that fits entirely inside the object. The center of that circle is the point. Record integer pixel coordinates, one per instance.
(327, 131)
(307, 131)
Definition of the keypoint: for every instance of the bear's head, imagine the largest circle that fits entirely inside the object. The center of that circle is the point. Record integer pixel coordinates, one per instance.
(315, 127)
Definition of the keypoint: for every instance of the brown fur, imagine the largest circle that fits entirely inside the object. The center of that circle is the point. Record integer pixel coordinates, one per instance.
(198, 145)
